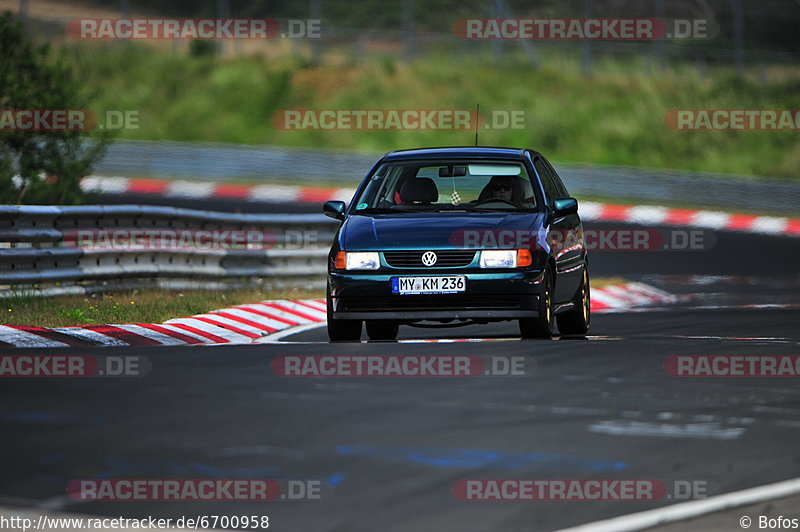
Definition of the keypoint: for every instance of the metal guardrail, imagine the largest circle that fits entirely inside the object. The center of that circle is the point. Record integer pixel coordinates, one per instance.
(38, 246)
(231, 162)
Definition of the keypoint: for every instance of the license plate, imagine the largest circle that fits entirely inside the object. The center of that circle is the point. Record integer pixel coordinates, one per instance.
(429, 285)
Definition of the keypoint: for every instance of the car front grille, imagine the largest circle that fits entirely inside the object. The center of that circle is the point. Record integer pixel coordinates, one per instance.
(448, 258)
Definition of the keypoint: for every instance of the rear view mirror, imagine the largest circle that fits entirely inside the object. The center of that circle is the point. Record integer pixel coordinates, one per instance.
(565, 207)
(453, 171)
(334, 209)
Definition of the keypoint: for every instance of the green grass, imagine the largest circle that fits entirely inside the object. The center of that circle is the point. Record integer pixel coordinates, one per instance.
(145, 306)
(614, 117)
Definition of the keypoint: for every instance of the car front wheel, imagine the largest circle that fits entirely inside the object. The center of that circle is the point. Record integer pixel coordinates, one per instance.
(344, 330)
(341, 330)
(576, 321)
(542, 325)
(382, 330)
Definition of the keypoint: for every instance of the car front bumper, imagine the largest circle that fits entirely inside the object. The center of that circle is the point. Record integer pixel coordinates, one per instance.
(490, 296)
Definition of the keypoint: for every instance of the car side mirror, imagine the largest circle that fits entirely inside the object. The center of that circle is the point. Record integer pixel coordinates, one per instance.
(565, 207)
(334, 209)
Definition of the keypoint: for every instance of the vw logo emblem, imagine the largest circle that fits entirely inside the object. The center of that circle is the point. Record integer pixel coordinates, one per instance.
(429, 258)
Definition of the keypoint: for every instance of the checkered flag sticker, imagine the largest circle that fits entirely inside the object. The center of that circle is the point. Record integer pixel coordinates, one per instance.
(455, 198)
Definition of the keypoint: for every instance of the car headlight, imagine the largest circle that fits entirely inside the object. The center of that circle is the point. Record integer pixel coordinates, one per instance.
(362, 260)
(499, 258)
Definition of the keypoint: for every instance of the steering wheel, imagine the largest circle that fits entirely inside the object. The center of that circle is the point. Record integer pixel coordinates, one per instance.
(494, 200)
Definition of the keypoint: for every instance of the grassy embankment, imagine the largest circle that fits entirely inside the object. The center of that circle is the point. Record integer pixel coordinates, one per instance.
(615, 117)
(144, 306)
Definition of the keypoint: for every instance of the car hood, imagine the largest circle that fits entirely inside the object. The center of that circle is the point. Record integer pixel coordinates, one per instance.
(437, 231)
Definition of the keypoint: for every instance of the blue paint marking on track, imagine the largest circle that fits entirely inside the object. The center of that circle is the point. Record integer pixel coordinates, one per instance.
(116, 468)
(476, 458)
(335, 479)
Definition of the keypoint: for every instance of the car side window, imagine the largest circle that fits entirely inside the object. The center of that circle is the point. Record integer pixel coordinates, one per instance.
(562, 190)
(550, 190)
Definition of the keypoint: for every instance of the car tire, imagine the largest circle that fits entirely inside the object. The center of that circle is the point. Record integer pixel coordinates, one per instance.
(576, 321)
(382, 330)
(542, 325)
(344, 330)
(341, 330)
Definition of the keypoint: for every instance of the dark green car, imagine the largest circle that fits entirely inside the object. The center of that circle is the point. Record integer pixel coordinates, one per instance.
(454, 236)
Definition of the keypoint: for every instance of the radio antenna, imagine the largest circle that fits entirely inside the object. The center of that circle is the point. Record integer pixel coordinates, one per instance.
(477, 117)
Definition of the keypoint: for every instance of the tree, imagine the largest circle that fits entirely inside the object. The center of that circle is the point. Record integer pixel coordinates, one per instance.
(40, 166)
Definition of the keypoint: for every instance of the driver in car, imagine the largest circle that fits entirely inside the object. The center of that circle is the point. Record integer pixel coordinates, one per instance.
(504, 188)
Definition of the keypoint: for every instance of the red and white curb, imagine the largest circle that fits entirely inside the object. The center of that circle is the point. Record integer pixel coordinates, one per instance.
(627, 297)
(240, 324)
(208, 190)
(590, 211)
(651, 215)
(246, 324)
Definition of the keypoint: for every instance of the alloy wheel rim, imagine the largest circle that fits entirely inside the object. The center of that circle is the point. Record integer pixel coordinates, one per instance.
(585, 295)
(549, 304)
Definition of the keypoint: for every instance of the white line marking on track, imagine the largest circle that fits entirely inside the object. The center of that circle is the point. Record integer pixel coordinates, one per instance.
(692, 509)
(702, 431)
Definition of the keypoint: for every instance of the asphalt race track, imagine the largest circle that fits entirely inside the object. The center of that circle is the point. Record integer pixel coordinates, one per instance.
(388, 451)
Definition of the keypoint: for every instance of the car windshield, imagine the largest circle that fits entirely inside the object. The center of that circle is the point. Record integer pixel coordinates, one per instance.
(447, 186)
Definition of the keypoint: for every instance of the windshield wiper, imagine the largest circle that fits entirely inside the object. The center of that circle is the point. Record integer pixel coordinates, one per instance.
(374, 210)
(384, 210)
(495, 209)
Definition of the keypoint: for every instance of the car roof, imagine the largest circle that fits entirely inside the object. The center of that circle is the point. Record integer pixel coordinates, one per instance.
(456, 152)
